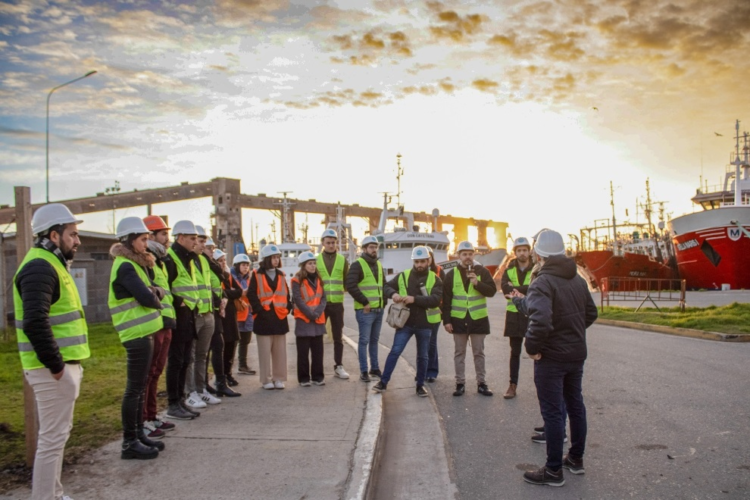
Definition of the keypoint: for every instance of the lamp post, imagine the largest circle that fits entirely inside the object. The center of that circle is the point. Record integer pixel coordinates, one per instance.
(48, 98)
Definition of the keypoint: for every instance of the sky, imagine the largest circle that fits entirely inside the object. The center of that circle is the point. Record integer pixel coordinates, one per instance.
(513, 110)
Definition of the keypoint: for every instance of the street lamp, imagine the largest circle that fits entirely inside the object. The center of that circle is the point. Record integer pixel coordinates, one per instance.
(48, 98)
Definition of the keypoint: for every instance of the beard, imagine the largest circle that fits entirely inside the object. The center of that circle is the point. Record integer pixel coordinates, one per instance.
(68, 252)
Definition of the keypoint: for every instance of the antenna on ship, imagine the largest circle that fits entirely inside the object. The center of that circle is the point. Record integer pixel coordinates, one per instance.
(399, 173)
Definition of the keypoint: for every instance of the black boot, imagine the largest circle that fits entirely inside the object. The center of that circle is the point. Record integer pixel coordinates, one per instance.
(149, 442)
(134, 449)
(223, 390)
(231, 381)
(210, 389)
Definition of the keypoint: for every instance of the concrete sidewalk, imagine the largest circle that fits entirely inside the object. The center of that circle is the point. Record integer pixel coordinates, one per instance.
(282, 444)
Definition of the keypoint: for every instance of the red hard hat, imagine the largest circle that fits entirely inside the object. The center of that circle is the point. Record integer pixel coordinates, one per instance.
(155, 223)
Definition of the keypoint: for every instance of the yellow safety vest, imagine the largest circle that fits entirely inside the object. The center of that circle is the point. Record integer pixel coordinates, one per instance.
(130, 319)
(370, 287)
(433, 313)
(160, 278)
(469, 301)
(513, 277)
(333, 284)
(203, 278)
(66, 316)
(185, 284)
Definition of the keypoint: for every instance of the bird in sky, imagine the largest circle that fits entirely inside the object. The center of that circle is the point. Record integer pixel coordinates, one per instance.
(718, 134)
(595, 108)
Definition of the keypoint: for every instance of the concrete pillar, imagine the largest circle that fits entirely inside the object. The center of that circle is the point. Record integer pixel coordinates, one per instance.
(23, 244)
(288, 227)
(501, 234)
(374, 223)
(227, 229)
(482, 234)
(460, 232)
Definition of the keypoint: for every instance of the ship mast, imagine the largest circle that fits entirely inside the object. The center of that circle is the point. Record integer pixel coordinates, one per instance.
(647, 209)
(287, 218)
(737, 163)
(399, 173)
(614, 221)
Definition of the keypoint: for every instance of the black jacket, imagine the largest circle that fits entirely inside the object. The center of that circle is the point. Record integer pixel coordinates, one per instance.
(39, 288)
(515, 322)
(417, 310)
(486, 286)
(355, 275)
(185, 317)
(560, 309)
(233, 291)
(267, 322)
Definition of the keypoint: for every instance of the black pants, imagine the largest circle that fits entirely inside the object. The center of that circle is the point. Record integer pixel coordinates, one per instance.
(516, 345)
(216, 355)
(245, 338)
(229, 350)
(139, 352)
(336, 313)
(305, 347)
(177, 365)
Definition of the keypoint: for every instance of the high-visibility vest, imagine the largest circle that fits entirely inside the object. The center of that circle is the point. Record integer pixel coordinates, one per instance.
(160, 278)
(311, 298)
(269, 296)
(513, 278)
(215, 283)
(241, 315)
(185, 284)
(433, 313)
(465, 301)
(131, 319)
(369, 286)
(333, 284)
(203, 278)
(65, 316)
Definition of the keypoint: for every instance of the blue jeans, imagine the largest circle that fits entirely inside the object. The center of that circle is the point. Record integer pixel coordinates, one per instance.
(558, 386)
(369, 334)
(399, 343)
(432, 357)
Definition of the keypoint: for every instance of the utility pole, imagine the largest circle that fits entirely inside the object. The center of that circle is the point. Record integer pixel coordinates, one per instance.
(399, 173)
(612, 202)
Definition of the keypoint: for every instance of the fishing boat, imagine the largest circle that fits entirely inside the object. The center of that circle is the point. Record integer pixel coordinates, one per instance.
(712, 246)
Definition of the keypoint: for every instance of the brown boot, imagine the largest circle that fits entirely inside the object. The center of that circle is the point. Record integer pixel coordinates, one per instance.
(511, 392)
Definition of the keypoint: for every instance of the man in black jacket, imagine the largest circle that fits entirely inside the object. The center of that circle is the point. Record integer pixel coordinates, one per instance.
(517, 276)
(421, 290)
(465, 315)
(186, 239)
(560, 309)
(52, 338)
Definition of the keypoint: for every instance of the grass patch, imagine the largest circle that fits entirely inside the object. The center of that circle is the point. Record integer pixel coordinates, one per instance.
(96, 419)
(734, 318)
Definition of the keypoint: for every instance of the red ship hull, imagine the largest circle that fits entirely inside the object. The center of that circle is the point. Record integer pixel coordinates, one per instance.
(604, 264)
(711, 251)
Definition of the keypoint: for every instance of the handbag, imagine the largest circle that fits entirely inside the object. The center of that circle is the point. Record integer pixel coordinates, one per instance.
(240, 304)
(397, 315)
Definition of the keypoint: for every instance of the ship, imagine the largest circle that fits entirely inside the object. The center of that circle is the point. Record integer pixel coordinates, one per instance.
(712, 246)
(638, 250)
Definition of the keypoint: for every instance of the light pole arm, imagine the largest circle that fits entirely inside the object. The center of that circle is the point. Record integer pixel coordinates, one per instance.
(49, 95)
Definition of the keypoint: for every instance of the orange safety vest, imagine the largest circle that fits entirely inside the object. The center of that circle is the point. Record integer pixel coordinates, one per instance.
(241, 315)
(276, 297)
(311, 298)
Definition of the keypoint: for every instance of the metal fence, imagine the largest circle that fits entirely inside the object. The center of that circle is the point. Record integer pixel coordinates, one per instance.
(615, 288)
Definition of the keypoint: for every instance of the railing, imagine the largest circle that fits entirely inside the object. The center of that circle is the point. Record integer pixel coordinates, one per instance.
(642, 289)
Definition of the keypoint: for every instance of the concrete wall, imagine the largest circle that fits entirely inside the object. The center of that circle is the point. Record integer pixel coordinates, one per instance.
(92, 255)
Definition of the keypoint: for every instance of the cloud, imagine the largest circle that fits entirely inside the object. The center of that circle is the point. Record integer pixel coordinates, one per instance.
(326, 17)
(453, 27)
(485, 85)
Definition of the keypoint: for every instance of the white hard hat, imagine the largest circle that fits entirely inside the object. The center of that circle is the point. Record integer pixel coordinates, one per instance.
(210, 242)
(304, 257)
(420, 252)
(549, 243)
(269, 250)
(131, 225)
(465, 245)
(200, 231)
(51, 215)
(240, 258)
(536, 236)
(184, 227)
(369, 240)
(329, 233)
(521, 242)
(218, 254)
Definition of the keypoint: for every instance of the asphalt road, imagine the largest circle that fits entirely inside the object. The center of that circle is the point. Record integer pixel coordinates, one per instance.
(649, 397)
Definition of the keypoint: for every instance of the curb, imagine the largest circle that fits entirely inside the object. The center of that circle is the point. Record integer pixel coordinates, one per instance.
(680, 332)
(368, 439)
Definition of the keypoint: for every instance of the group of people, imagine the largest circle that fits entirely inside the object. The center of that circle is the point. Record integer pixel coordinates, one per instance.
(177, 304)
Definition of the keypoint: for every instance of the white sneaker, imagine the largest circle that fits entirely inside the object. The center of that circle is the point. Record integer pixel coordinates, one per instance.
(278, 384)
(269, 386)
(210, 398)
(195, 401)
(340, 372)
(305, 384)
